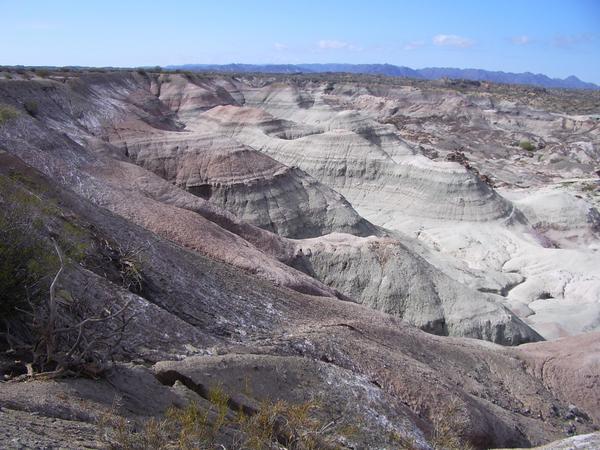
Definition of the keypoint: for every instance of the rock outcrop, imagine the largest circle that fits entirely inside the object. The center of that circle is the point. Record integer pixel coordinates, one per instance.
(385, 275)
(247, 183)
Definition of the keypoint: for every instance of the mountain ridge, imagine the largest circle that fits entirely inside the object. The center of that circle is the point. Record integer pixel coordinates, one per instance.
(427, 73)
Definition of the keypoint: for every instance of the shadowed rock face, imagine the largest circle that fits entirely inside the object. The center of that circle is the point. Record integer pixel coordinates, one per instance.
(259, 275)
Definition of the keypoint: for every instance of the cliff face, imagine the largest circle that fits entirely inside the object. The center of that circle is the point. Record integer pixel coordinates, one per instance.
(294, 227)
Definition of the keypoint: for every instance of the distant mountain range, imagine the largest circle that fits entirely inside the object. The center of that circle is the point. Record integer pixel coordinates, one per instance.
(429, 73)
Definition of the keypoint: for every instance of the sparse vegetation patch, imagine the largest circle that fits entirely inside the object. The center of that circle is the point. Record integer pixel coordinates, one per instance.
(527, 145)
(31, 107)
(49, 330)
(7, 113)
(273, 425)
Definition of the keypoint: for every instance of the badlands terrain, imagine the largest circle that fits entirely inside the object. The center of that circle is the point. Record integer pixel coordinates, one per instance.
(419, 258)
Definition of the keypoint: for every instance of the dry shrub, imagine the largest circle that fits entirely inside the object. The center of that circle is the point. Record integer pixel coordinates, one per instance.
(119, 433)
(274, 425)
(31, 107)
(449, 426)
(130, 268)
(51, 331)
(7, 113)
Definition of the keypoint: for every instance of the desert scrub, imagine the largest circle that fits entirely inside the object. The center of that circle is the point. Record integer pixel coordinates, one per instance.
(26, 261)
(119, 434)
(527, 145)
(51, 331)
(71, 235)
(74, 239)
(31, 107)
(42, 73)
(130, 263)
(26, 265)
(449, 426)
(273, 425)
(7, 113)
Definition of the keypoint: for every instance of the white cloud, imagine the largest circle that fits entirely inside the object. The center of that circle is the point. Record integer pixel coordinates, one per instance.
(333, 44)
(280, 46)
(566, 41)
(521, 40)
(452, 40)
(413, 45)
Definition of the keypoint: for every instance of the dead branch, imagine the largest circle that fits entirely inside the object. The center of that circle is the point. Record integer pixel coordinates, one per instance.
(50, 332)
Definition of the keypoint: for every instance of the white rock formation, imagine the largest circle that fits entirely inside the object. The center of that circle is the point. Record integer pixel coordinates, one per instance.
(480, 233)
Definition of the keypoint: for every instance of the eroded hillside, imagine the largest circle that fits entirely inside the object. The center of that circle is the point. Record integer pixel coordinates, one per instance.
(292, 234)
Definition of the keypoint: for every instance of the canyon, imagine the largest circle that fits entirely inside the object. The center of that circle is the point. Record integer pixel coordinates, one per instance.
(396, 248)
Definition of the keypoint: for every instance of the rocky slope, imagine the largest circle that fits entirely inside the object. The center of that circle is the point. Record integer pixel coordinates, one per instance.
(195, 157)
(445, 197)
(249, 184)
(295, 231)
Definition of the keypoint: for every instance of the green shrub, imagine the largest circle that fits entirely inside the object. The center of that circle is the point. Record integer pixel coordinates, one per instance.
(39, 320)
(7, 113)
(527, 145)
(31, 107)
(27, 262)
(26, 265)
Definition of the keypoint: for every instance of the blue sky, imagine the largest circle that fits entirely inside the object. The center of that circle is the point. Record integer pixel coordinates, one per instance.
(558, 38)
